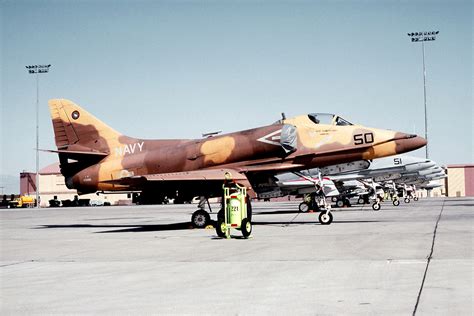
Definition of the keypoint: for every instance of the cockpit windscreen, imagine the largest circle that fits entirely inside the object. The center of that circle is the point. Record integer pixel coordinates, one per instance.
(328, 119)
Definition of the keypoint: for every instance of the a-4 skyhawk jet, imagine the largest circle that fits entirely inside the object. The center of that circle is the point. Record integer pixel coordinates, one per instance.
(94, 157)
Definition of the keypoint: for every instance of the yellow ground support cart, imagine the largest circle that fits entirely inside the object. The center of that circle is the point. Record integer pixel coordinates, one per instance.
(235, 212)
(22, 201)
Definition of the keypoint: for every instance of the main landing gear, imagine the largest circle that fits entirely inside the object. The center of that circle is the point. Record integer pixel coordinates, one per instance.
(200, 219)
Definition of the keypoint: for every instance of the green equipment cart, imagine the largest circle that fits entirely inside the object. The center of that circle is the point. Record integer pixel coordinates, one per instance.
(235, 212)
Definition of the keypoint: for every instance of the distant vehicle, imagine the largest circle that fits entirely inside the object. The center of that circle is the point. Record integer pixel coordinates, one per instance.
(22, 202)
(96, 203)
(54, 203)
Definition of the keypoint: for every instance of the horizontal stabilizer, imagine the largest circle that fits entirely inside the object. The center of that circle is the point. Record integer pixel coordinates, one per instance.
(74, 154)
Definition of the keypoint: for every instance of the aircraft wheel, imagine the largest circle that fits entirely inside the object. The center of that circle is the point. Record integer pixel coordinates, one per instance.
(246, 228)
(325, 218)
(376, 206)
(339, 203)
(303, 207)
(200, 219)
(334, 199)
(415, 198)
(221, 228)
(396, 202)
(360, 201)
(407, 200)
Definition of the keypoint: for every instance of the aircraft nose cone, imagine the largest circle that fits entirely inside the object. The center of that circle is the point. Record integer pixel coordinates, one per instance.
(408, 142)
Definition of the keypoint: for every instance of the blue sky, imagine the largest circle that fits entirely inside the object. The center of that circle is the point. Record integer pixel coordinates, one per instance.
(176, 69)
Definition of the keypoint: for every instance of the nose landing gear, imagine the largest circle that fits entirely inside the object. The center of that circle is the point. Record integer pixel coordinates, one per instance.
(325, 217)
(376, 206)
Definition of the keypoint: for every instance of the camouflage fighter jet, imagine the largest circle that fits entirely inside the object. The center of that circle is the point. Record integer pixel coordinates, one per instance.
(96, 158)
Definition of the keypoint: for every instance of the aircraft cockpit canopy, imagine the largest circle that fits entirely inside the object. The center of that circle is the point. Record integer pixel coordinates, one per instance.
(328, 119)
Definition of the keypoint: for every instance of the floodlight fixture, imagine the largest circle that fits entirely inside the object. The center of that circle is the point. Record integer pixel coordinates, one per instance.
(38, 68)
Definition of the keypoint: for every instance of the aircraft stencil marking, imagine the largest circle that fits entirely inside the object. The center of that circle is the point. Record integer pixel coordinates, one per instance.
(129, 149)
(270, 138)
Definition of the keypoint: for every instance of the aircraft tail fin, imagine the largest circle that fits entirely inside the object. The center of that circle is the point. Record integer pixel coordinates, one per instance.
(77, 129)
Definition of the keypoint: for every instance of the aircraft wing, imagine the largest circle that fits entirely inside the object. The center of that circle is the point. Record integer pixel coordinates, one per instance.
(302, 184)
(381, 176)
(271, 167)
(196, 175)
(205, 182)
(184, 176)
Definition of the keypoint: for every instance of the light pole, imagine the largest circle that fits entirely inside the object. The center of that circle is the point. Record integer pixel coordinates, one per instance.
(424, 37)
(37, 69)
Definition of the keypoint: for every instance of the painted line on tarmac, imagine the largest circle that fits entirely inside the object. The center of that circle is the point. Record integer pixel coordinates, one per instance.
(291, 220)
(429, 259)
(16, 263)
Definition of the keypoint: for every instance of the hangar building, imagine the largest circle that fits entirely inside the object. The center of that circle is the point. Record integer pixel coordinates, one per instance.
(460, 180)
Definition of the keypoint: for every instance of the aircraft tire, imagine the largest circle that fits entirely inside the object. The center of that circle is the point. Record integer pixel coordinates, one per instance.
(303, 207)
(334, 199)
(246, 228)
(325, 219)
(200, 219)
(339, 203)
(415, 198)
(376, 206)
(396, 202)
(360, 201)
(407, 200)
(221, 228)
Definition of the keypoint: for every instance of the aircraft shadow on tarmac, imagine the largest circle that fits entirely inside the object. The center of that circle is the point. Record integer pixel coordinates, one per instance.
(126, 228)
(336, 209)
(180, 226)
(459, 204)
(310, 223)
(455, 200)
(270, 212)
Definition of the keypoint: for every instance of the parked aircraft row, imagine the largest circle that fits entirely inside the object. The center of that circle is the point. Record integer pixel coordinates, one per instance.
(394, 177)
(96, 158)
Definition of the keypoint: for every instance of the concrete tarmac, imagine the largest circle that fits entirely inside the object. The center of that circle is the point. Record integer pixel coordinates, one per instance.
(414, 258)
